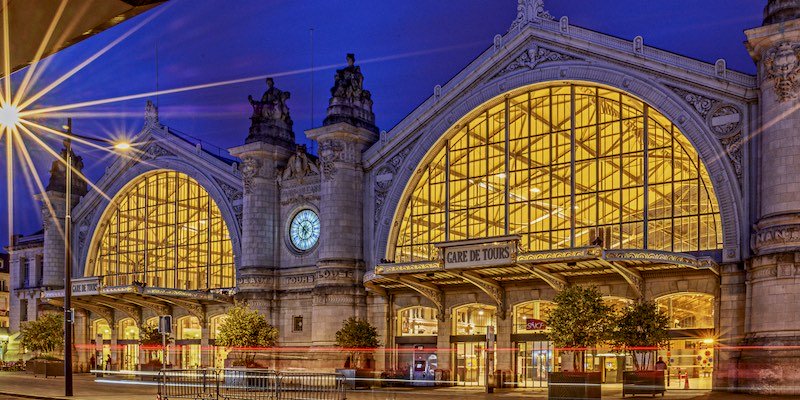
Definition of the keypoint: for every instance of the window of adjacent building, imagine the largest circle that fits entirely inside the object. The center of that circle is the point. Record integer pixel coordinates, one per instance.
(531, 310)
(417, 321)
(561, 165)
(39, 270)
(297, 323)
(23, 310)
(473, 319)
(688, 310)
(25, 268)
(164, 230)
(3, 286)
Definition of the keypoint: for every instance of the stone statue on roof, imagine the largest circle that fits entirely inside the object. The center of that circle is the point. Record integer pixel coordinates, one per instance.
(350, 102)
(272, 105)
(58, 175)
(349, 82)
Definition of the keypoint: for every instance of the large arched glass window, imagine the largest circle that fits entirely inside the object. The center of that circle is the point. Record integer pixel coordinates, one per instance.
(688, 310)
(165, 231)
(563, 165)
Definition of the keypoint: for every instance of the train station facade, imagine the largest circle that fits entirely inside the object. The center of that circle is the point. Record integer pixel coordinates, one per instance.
(559, 156)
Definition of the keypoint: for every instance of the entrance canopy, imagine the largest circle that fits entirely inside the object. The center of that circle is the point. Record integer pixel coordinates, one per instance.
(91, 295)
(489, 263)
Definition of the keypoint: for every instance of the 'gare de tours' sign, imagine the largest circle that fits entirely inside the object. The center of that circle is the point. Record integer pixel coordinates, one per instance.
(479, 253)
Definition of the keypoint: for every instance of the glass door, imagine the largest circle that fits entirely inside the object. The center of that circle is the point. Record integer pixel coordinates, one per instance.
(469, 363)
(534, 362)
(130, 357)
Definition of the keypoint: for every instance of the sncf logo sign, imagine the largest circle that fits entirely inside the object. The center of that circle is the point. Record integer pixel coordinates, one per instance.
(535, 324)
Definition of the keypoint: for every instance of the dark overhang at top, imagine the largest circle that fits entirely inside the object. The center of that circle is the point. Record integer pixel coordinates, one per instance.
(30, 20)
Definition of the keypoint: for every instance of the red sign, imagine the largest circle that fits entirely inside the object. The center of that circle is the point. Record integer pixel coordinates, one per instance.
(535, 324)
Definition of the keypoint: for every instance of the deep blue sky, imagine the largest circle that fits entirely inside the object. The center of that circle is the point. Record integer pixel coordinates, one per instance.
(416, 44)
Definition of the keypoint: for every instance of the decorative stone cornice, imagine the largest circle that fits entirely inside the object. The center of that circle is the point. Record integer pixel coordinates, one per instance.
(782, 65)
(776, 239)
(412, 267)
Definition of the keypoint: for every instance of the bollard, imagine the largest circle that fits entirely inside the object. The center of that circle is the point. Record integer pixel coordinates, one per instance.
(686, 382)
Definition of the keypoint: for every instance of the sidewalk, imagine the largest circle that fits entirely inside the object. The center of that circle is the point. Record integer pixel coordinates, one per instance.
(27, 386)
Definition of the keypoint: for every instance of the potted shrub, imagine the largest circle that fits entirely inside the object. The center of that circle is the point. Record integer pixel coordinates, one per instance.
(243, 331)
(150, 343)
(579, 320)
(640, 331)
(358, 338)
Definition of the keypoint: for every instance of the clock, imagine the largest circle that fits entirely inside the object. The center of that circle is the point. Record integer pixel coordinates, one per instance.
(304, 230)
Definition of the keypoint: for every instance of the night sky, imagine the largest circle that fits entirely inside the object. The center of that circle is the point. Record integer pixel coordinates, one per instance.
(405, 48)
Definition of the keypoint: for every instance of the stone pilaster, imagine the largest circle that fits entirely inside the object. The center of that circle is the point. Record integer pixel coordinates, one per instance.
(339, 292)
(768, 362)
(443, 343)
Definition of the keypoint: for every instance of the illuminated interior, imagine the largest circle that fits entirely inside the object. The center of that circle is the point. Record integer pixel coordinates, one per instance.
(531, 310)
(417, 321)
(164, 230)
(127, 329)
(473, 319)
(688, 310)
(563, 165)
(100, 327)
(189, 328)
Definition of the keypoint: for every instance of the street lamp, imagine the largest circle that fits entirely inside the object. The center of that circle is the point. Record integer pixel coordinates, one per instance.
(69, 314)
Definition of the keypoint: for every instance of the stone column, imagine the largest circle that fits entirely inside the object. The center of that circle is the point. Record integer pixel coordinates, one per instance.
(773, 320)
(114, 351)
(443, 344)
(206, 355)
(339, 292)
(505, 356)
(260, 223)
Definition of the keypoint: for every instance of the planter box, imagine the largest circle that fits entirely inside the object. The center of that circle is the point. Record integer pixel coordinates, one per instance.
(573, 385)
(643, 382)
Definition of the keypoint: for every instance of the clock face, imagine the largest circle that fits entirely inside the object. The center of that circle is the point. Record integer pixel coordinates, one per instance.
(304, 230)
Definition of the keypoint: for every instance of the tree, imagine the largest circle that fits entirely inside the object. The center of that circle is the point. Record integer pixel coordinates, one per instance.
(150, 340)
(641, 329)
(245, 330)
(43, 335)
(356, 336)
(579, 320)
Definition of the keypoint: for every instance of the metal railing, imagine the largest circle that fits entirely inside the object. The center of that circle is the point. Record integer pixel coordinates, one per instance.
(249, 384)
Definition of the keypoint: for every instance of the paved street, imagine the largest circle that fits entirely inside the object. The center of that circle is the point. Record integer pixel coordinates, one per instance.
(25, 386)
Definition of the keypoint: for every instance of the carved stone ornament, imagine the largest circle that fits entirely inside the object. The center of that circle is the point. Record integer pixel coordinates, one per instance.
(299, 166)
(238, 211)
(231, 192)
(384, 176)
(151, 114)
(250, 169)
(529, 11)
(724, 120)
(532, 58)
(782, 65)
(330, 151)
(774, 239)
(155, 151)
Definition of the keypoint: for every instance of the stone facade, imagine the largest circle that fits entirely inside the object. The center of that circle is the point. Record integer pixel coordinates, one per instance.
(742, 127)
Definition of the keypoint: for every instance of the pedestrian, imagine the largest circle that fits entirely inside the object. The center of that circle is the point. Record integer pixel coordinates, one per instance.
(661, 365)
(108, 362)
(92, 362)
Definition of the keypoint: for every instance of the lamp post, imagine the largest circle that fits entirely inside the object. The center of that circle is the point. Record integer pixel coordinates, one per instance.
(69, 314)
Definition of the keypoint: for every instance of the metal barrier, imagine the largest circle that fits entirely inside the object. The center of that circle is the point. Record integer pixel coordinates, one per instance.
(249, 384)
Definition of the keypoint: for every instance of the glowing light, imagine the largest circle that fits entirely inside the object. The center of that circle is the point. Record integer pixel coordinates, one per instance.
(9, 115)
(708, 341)
(122, 146)
(536, 190)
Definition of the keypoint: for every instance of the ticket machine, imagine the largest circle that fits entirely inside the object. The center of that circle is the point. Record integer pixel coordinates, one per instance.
(424, 366)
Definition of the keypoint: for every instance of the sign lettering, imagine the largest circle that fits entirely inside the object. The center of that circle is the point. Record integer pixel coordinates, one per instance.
(480, 255)
(535, 324)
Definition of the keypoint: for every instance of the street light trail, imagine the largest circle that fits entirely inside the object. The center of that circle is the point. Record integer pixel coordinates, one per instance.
(25, 155)
(6, 56)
